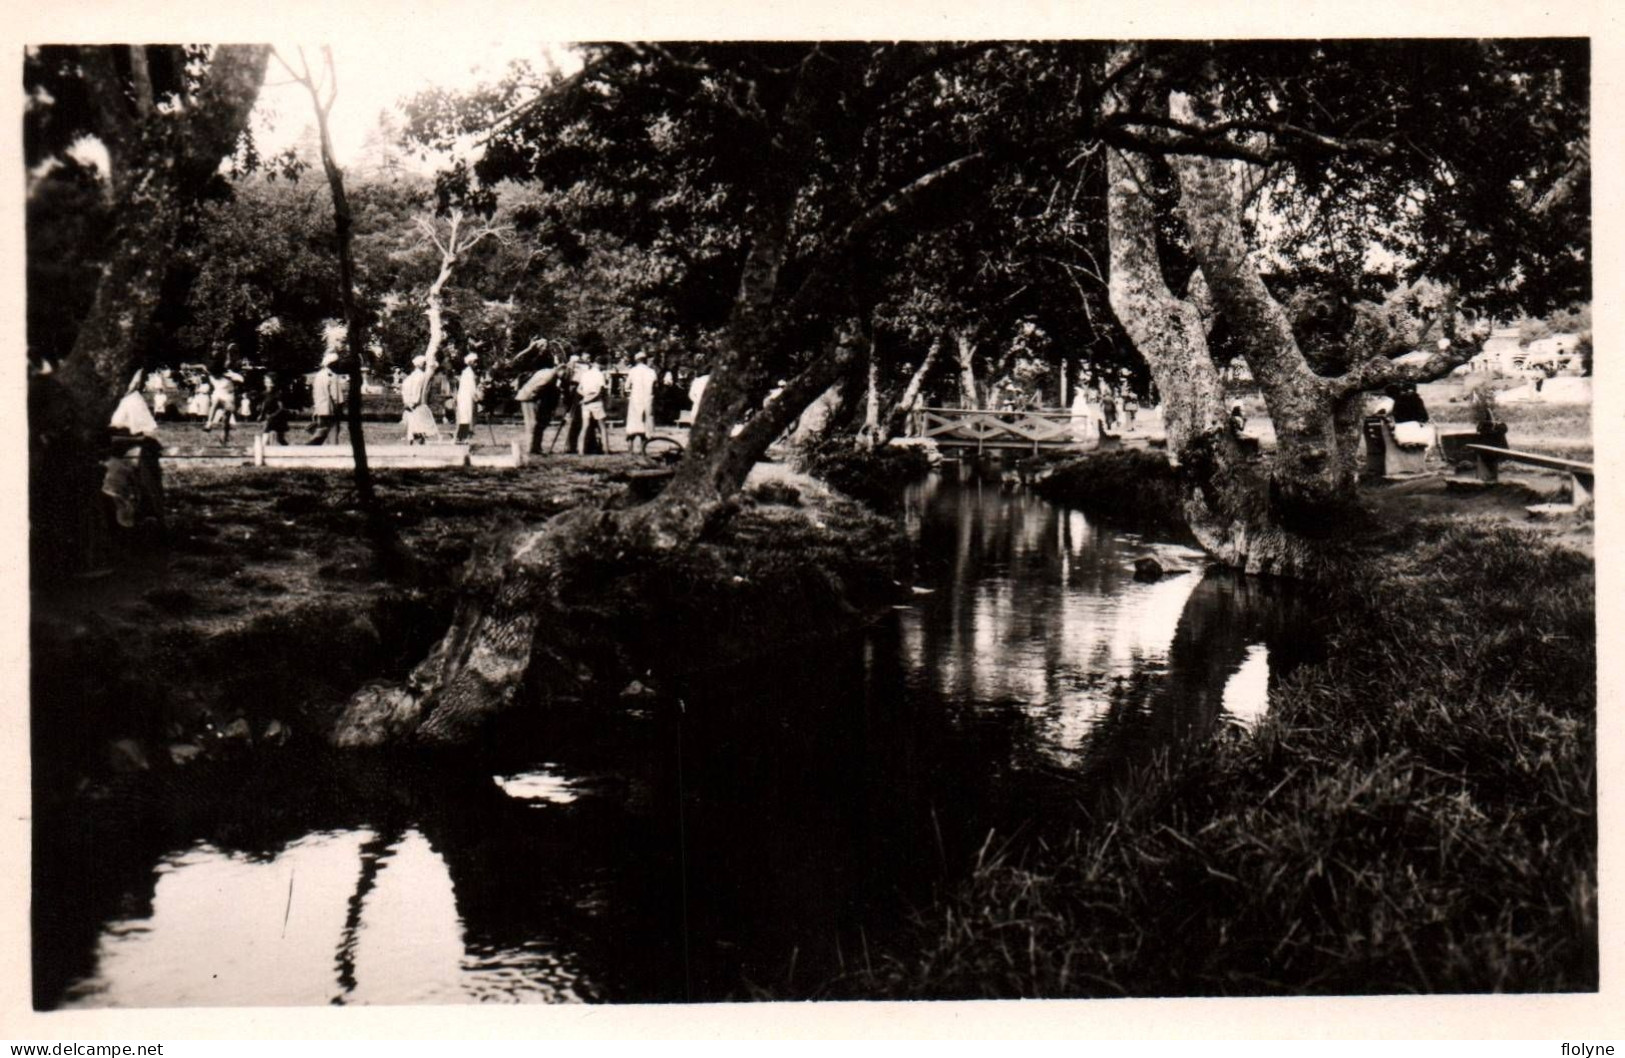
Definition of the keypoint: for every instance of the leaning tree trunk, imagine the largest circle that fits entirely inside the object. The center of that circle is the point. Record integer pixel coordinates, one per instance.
(513, 628)
(164, 162)
(909, 401)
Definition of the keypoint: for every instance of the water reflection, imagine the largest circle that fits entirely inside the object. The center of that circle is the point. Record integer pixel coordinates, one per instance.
(1040, 612)
(761, 834)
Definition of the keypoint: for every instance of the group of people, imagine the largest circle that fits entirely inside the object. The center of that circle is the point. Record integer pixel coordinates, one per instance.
(581, 386)
(573, 388)
(578, 385)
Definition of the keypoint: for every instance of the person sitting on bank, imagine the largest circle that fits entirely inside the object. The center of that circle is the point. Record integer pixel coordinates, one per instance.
(1410, 416)
(1408, 405)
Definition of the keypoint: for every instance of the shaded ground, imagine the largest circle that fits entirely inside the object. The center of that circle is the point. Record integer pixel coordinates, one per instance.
(266, 609)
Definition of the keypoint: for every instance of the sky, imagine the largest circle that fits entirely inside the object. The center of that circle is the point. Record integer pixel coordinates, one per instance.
(376, 70)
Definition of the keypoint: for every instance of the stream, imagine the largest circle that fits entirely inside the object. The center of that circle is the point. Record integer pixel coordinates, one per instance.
(761, 834)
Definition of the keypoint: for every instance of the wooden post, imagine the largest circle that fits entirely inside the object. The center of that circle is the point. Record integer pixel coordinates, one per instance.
(1488, 468)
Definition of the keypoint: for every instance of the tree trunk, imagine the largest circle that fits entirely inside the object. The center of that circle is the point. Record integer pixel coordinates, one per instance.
(355, 326)
(970, 393)
(869, 433)
(1308, 469)
(1223, 491)
(161, 165)
(910, 399)
(434, 310)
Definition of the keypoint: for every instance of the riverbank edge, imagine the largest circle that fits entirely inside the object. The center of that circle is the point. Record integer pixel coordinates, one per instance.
(1416, 814)
(1131, 487)
(121, 692)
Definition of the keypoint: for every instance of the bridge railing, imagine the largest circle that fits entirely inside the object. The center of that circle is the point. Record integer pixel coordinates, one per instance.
(991, 427)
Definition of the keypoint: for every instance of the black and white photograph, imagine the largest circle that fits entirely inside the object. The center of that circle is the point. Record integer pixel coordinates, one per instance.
(516, 517)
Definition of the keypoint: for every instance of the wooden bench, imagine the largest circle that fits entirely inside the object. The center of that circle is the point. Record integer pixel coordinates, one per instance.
(1582, 477)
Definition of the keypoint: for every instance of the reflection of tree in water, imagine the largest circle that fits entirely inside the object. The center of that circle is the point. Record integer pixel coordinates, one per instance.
(531, 884)
(1226, 613)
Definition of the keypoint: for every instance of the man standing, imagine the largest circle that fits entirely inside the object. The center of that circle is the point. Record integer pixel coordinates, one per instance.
(417, 415)
(537, 399)
(326, 397)
(640, 401)
(570, 394)
(468, 396)
(590, 381)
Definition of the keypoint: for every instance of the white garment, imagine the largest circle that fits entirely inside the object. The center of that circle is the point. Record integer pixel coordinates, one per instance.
(589, 383)
(1413, 434)
(640, 390)
(132, 416)
(412, 388)
(326, 393)
(696, 390)
(468, 393)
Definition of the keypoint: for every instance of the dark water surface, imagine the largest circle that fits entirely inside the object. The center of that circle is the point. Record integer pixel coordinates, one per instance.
(760, 835)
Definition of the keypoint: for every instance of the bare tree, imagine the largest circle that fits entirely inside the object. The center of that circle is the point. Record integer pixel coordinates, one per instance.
(324, 89)
(453, 247)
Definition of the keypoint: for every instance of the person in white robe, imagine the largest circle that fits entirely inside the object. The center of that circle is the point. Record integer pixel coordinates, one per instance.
(468, 396)
(640, 402)
(417, 416)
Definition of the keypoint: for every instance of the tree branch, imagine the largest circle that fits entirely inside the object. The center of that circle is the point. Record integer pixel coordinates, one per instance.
(1380, 371)
(889, 208)
(1215, 136)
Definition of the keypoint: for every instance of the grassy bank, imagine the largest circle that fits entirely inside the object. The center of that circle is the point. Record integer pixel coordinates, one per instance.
(877, 476)
(1417, 813)
(1128, 486)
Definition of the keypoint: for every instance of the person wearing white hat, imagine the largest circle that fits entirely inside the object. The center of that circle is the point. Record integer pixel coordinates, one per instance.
(326, 397)
(468, 395)
(640, 401)
(417, 415)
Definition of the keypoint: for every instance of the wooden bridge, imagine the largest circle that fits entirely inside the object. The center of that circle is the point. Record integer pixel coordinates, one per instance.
(989, 428)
